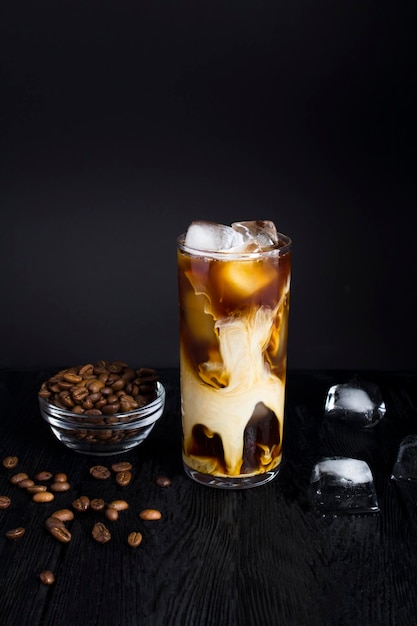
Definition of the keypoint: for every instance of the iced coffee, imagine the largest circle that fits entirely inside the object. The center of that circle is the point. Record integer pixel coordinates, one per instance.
(234, 287)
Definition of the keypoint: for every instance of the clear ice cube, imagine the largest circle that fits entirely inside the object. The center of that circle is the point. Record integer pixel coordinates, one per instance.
(240, 237)
(405, 467)
(212, 237)
(257, 233)
(358, 403)
(343, 485)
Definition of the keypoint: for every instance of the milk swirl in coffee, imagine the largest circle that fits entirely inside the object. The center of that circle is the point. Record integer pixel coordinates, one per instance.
(234, 300)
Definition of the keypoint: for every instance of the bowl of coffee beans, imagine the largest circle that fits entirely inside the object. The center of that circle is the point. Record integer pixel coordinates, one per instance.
(102, 408)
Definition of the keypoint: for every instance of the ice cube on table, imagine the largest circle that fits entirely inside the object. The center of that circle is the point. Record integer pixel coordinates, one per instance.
(343, 485)
(212, 237)
(404, 473)
(259, 233)
(358, 403)
(405, 467)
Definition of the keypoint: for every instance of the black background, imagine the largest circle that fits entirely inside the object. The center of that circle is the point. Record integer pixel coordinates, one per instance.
(122, 122)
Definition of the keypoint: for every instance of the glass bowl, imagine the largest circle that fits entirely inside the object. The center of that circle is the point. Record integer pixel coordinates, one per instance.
(103, 435)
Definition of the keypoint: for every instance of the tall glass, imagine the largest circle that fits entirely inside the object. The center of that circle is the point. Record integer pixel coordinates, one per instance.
(233, 310)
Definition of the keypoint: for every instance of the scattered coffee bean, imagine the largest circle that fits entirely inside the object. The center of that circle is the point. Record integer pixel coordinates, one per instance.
(101, 533)
(100, 472)
(4, 502)
(163, 481)
(122, 466)
(134, 539)
(47, 577)
(16, 478)
(36, 488)
(97, 504)
(123, 479)
(60, 533)
(111, 514)
(119, 505)
(65, 515)
(43, 496)
(9, 462)
(150, 514)
(60, 477)
(43, 476)
(81, 504)
(60, 486)
(58, 530)
(25, 483)
(15, 533)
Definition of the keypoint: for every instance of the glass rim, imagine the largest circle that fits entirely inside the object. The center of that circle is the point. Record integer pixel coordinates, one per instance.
(283, 246)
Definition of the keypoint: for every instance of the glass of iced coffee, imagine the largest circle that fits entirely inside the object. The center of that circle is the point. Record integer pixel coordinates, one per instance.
(234, 288)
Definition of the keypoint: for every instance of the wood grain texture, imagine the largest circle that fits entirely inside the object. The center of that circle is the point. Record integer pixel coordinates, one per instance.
(255, 557)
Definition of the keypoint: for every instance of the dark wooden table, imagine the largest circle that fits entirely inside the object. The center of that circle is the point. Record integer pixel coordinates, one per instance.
(255, 557)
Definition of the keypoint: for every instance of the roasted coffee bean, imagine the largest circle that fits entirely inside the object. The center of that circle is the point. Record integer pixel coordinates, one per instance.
(44, 391)
(60, 486)
(65, 515)
(47, 577)
(101, 533)
(66, 399)
(111, 408)
(150, 514)
(62, 534)
(88, 404)
(92, 398)
(119, 505)
(35, 488)
(123, 479)
(15, 533)
(64, 385)
(87, 371)
(43, 476)
(163, 481)
(79, 394)
(95, 387)
(43, 496)
(58, 530)
(81, 504)
(61, 477)
(122, 466)
(4, 502)
(127, 403)
(111, 514)
(9, 462)
(100, 472)
(97, 504)
(72, 378)
(118, 384)
(25, 483)
(134, 539)
(108, 386)
(16, 478)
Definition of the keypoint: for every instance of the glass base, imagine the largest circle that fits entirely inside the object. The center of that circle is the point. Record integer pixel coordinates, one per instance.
(231, 482)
